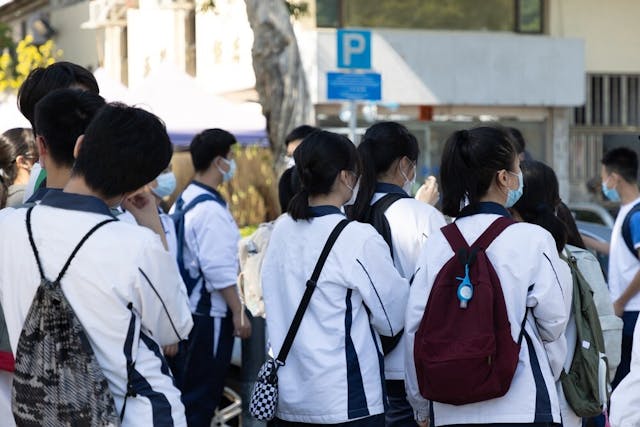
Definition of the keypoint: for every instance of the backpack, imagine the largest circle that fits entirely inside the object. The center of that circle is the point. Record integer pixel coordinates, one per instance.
(57, 379)
(585, 384)
(251, 251)
(626, 230)
(463, 350)
(376, 217)
(178, 217)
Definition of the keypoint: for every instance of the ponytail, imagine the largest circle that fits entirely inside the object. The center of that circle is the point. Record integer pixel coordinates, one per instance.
(299, 205)
(368, 177)
(544, 217)
(573, 235)
(470, 161)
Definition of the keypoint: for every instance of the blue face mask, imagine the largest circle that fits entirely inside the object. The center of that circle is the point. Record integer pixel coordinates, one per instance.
(226, 176)
(610, 193)
(514, 195)
(166, 185)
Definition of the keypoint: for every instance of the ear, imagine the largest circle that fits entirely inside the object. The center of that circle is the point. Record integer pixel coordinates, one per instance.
(42, 146)
(76, 149)
(502, 178)
(22, 162)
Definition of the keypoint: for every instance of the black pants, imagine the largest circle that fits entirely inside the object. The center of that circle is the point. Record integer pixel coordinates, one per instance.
(399, 413)
(629, 319)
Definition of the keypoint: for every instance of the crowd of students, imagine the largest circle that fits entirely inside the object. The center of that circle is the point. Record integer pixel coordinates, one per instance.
(387, 338)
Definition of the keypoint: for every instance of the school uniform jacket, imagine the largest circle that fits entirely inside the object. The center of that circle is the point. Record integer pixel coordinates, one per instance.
(411, 222)
(531, 274)
(210, 250)
(119, 266)
(334, 371)
(625, 399)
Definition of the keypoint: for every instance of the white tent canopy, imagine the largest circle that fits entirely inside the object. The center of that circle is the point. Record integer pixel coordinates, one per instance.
(10, 116)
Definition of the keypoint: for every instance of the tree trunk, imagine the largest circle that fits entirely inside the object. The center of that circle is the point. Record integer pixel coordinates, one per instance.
(280, 77)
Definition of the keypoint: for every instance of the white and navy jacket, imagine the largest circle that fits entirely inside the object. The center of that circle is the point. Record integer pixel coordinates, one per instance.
(123, 286)
(532, 276)
(334, 372)
(210, 250)
(411, 222)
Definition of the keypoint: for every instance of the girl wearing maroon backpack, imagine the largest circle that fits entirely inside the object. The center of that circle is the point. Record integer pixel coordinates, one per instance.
(480, 179)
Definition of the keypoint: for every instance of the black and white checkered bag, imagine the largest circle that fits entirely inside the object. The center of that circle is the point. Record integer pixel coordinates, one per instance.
(264, 399)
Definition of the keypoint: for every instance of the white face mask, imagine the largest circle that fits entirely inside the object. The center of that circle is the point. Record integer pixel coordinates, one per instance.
(354, 193)
(409, 183)
(290, 162)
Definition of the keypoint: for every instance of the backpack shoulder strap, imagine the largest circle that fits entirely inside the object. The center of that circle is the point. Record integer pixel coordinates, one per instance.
(626, 229)
(454, 237)
(75, 250)
(387, 200)
(311, 286)
(377, 218)
(493, 231)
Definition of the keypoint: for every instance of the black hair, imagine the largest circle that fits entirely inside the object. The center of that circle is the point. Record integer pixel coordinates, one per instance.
(301, 132)
(288, 185)
(624, 162)
(470, 161)
(61, 117)
(13, 143)
(123, 149)
(573, 235)
(382, 144)
(59, 75)
(518, 140)
(209, 144)
(539, 200)
(319, 159)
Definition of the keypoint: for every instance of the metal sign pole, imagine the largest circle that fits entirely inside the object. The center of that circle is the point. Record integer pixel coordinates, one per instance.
(353, 120)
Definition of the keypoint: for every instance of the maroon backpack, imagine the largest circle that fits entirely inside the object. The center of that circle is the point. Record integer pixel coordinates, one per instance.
(463, 350)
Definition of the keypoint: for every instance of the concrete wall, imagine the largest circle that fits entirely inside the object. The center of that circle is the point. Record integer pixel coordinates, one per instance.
(79, 45)
(609, 29)
(467, 68)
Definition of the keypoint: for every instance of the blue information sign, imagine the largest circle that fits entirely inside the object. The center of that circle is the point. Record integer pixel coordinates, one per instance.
(351, 86)
(354, 49)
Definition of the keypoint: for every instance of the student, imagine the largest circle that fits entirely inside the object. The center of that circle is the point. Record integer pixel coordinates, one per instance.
(480, 179)
(389, 154)
(39, 83)
(61, 117)
(19, 153)
(619, 175)
(210, 257)
(333, 373)
(122, 284)
(625, 399)
(163, 186)
(285, 189)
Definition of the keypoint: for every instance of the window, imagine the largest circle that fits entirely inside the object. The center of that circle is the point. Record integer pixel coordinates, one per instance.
(473, 15)
(611, 100)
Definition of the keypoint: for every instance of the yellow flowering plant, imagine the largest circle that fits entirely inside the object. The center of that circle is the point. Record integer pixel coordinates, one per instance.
(15, 67)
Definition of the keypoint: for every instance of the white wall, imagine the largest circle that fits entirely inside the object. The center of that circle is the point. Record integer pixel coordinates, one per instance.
(78, 45)
(466, 68)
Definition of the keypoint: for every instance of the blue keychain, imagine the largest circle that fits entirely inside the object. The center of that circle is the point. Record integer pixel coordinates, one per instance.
(465, 288)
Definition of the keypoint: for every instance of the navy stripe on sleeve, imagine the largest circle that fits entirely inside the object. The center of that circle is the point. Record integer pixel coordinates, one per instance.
(357, 399)
(378, 295)
(543, 402)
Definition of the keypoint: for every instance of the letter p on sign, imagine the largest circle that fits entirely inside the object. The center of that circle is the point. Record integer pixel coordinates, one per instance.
(354, 49)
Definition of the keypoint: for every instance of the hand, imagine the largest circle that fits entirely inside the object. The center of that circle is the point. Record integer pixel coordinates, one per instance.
(424, 423)
(170, 350)
(618, 307)
(428, 192)
(142, 205)
(241, 325)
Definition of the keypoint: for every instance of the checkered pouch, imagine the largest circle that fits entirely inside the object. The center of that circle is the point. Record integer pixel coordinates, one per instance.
(264, 398)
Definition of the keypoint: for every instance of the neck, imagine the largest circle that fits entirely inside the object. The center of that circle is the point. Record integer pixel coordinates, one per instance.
(628, 192)
(494, 195)
(395, 180)
(57, 177)
(208, 178)
(77, 185)
(330, 199)
(22, 177)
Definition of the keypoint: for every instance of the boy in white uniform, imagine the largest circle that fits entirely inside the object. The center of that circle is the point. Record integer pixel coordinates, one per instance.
(209, 255)
(122, 285)
(619, 174)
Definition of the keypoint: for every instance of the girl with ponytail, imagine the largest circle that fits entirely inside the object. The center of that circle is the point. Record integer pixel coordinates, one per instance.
(333, 373)
(480, 178)
(389, 153)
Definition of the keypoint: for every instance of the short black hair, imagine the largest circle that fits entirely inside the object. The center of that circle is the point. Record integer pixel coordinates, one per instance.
(209, 144)
(624, 162)
(518, 140)
(124, 148)
(59, 75)
(61, 117)
(301, 132)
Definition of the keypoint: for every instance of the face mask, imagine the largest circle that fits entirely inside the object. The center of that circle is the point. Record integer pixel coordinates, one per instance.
(166, 184)
(354, 193)
(226, 176)
(514, 195)
(610, 193)
(290, 162)
(408, 184)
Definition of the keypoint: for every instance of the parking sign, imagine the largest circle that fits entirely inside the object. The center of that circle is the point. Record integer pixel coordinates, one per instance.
(354, 49)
